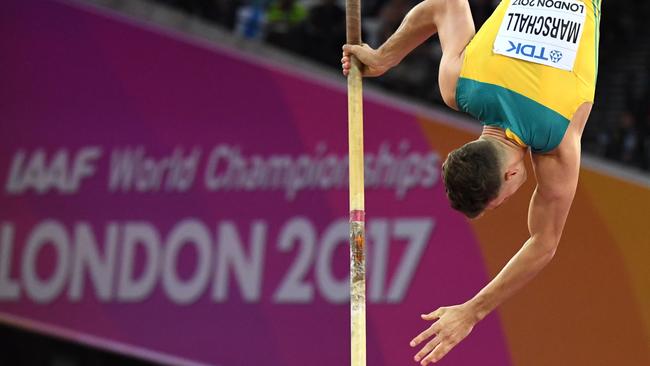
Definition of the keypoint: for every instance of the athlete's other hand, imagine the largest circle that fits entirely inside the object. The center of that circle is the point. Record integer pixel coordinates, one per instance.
(452, 324)
(374, 65)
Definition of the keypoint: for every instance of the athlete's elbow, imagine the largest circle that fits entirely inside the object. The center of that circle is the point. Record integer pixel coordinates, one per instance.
(545, 254)
(547, 246)
(549, 252)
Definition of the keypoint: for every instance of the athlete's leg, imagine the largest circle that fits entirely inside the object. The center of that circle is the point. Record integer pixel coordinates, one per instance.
(455, 26)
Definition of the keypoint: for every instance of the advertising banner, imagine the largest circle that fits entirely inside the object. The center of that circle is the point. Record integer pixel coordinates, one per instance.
(187, 204)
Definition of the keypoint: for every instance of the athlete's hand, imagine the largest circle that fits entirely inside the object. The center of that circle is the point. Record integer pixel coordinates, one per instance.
(374, 65)
(453, 324)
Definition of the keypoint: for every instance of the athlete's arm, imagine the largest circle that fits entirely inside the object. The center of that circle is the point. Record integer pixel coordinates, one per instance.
(557, 178)
(547, 215)
(546, 219)
(417, 27)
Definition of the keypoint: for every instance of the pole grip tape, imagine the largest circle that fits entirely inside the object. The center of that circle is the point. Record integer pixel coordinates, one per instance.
(358, 216)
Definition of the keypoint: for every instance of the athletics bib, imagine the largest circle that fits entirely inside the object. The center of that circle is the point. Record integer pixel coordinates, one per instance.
(546, 32)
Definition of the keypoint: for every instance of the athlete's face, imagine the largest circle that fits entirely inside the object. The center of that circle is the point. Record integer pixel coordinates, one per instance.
(513, 178)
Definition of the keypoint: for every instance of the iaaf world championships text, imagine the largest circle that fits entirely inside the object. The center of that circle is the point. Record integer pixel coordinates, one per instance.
(227, 169)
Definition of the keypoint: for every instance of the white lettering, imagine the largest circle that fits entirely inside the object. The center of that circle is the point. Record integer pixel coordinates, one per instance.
(45, 290)
(133, 170)
(378, 241)
(136, 235)
(187, 291)
(403, 170)
(87, 257)
(9, 289)
(130, 261)
(294, 288)
(42, 178)
(248, 271)
(417, 232)
(335, 291)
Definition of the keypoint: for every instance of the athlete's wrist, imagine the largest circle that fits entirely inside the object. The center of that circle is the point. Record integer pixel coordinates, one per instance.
(479, 307)
(387, 57)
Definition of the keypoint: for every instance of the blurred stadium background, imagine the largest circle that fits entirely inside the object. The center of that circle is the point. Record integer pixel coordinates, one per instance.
(174, 192)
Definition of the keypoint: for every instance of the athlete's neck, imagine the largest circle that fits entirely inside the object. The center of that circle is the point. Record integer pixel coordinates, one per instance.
(498, 136)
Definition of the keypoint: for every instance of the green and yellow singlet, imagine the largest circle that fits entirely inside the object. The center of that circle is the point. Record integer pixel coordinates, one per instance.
(529, 94)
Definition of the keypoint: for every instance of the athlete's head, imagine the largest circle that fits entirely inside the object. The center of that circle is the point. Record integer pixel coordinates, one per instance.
(481, 175)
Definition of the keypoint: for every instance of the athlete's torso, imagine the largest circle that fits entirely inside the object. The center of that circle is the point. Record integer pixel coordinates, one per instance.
(532, 102)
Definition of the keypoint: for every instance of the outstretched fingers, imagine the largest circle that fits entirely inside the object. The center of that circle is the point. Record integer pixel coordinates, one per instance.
(434, 314)
(430, 346)
(426, 334)
(438, 353)
(422, 336)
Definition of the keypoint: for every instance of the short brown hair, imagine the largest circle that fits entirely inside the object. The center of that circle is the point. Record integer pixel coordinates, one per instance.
(472, 177)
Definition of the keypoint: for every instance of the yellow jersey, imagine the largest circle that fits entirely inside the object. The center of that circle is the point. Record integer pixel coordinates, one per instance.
(533, 102)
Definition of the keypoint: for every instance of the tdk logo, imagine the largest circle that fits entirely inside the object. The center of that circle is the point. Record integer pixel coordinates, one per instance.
(556, 56)
(534, 51)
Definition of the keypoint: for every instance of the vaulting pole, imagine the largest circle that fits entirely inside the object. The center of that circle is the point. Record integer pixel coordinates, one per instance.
(357, 212)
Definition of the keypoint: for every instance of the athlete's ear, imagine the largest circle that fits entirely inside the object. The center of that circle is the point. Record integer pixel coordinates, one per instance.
(511, 173)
